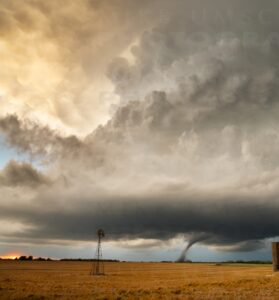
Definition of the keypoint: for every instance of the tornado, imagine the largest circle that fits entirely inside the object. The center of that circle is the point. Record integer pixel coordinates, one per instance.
(193, 240)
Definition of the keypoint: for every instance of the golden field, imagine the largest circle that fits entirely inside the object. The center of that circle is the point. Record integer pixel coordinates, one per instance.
(71, 280)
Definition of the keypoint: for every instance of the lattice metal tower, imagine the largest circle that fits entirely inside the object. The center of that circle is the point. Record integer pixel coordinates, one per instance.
(98, 264)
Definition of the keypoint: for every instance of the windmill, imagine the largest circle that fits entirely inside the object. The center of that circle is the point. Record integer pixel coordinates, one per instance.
(98, 264)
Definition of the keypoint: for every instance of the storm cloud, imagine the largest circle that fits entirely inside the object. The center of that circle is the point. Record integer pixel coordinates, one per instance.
(16, 174)
(185, 143)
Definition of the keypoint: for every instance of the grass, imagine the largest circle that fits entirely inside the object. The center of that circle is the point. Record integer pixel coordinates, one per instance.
(71, 280)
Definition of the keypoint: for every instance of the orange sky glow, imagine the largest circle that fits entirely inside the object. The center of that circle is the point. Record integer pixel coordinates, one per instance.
(10, 255)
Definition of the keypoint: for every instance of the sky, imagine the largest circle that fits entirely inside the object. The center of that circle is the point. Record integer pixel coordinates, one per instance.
(155, 120)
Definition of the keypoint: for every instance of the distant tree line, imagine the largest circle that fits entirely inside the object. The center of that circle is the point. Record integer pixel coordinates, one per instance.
(31, 258)
(252, 262)
(267, 262)
(88, 259)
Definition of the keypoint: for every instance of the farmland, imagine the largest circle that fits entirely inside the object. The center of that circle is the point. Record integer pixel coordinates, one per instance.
(71, 280)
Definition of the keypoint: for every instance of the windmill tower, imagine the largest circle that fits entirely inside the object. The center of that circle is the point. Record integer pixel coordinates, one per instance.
(98, 264)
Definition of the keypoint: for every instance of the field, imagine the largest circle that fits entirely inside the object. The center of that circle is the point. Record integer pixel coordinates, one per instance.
(71, 280)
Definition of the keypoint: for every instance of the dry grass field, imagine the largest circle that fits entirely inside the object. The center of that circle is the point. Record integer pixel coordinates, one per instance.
(71, 280)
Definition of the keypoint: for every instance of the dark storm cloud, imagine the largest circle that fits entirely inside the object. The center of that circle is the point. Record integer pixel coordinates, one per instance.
(34, 139)
(236, 221)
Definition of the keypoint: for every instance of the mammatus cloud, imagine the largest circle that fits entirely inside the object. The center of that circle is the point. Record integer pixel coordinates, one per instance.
(191, 146)
(54, 58)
